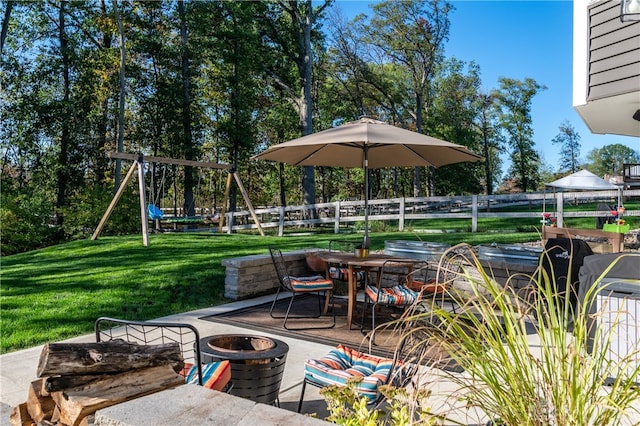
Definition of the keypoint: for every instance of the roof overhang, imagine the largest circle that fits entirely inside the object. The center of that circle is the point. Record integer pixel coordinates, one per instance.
(612, 115)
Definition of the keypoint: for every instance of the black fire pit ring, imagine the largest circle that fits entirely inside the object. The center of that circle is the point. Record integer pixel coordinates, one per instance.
(257, 363)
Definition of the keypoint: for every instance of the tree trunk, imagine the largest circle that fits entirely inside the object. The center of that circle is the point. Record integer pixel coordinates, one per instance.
(189, 202)
(121, 99)
(417, 184)
(62, 174)
(5, 25)
(309, 194)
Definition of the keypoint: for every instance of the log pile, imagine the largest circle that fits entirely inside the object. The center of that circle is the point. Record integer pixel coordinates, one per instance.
(75, 380)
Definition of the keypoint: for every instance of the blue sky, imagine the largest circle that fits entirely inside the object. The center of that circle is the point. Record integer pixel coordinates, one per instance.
(520, 39)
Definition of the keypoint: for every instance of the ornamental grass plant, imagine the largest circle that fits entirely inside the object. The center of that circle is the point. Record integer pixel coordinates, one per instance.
(527, 358)
(563, 377)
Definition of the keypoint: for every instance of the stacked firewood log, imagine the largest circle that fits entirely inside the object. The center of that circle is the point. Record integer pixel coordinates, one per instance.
(77, 379)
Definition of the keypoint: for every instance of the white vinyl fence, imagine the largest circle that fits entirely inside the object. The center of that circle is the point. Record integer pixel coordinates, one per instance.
(344, 213)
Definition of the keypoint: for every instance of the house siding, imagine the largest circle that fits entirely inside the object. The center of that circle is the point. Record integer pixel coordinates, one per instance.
(614, 52)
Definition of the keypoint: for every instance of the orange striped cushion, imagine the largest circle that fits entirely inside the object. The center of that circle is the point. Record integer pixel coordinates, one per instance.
(215, 375)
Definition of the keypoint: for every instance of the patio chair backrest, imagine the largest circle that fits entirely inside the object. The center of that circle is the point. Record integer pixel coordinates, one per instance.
(281, 267)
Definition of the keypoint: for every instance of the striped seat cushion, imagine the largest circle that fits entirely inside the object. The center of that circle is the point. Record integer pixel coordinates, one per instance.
(429, 287)
(312, 283)
(343, 363)
(396, 295)
(342, 274)
(215, 375)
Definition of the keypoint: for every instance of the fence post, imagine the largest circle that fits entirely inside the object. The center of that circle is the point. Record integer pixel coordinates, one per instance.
(336, 225)
(281, 221)
(401, 215)
(559, 210)
(474, 213)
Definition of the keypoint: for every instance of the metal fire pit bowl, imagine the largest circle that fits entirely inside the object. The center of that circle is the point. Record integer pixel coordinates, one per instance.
(257, 363)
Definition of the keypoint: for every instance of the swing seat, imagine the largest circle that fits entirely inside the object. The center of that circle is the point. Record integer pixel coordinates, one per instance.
(154, 212)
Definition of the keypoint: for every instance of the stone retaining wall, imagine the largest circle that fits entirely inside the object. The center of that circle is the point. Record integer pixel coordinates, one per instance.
(251, 276)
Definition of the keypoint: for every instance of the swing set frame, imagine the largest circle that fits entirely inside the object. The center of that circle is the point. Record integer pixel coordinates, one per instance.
(138, 164)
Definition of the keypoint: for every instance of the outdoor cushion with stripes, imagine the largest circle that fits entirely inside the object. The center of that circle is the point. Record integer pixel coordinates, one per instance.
(342, 274)
(343, 363)
(215, 375)
(427, 287)
(396, 295)
(313, 283)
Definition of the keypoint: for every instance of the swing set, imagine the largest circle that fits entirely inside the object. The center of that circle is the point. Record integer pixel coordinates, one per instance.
(152, 211)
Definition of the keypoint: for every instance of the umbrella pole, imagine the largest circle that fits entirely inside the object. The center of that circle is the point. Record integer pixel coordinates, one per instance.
(366, 243)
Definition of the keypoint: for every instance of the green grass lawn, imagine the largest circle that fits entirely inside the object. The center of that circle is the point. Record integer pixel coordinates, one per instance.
(55, 293)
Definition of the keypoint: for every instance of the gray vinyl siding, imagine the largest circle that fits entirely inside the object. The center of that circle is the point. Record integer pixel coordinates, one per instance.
(614, 52)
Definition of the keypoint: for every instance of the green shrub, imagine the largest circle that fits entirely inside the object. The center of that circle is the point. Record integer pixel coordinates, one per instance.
(26, 222)
(87, 207)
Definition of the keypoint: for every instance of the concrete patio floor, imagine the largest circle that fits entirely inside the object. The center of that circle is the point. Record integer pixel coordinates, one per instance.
(18, 369)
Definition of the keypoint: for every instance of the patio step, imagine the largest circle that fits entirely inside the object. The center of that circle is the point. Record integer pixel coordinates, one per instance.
(189, 405)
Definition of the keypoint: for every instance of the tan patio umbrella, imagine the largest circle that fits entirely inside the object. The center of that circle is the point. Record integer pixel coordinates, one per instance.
(368, 143)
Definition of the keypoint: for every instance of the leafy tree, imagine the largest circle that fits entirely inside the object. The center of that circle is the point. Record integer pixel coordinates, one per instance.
(514, 101)
(412, 34)
(452, 118)
(610, 158)
(232, 77)
(290, 27)
(486, 124)
(569, 141)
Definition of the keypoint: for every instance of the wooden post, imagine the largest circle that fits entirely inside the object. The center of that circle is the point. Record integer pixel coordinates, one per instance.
(223, 213)
(143, 202)
(474, 213)
(281, 214)
(114, 201)
(559, 210)
(245, 194)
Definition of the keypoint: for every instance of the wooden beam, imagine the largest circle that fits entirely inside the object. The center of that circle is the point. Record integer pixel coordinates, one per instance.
(245, 194)
(143, 203)
(223, 213)
(167, 160)
(114, 201)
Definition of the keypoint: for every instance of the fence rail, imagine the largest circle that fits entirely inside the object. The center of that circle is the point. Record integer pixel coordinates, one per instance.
(340, 214)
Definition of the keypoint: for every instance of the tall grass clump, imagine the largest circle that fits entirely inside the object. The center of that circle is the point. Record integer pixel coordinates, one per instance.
(563, 377)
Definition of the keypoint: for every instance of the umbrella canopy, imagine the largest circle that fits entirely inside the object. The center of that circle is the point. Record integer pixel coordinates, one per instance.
(582, 179)
(381, 144)
(368, 143)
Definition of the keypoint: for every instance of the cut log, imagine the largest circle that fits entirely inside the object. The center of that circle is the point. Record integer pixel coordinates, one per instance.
(39, 406)
(58, 383)
(55, 418)
(77, 403)
(20, 416)
(114, 356)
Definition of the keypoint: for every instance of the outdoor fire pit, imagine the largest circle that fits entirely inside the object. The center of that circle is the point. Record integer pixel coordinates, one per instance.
(257, 363)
